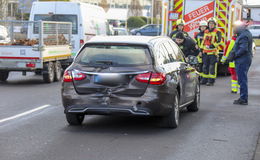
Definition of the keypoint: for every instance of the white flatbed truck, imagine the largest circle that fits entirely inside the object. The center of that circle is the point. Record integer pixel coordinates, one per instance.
(42, 47)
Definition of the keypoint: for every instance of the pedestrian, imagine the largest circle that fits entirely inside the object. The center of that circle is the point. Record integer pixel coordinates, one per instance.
(243, 59)
(198, 39)
(228, 58)
(211, 41)
(186, 44)
(179, 28)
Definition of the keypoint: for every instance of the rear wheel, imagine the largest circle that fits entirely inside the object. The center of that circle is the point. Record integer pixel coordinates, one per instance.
(194, 107)
(172, 119)
(4, 75)
(48, 72)
(74, 119)
(138, 34)
(58, 70)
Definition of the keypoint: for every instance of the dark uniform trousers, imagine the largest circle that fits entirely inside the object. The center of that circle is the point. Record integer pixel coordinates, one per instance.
(209, 68)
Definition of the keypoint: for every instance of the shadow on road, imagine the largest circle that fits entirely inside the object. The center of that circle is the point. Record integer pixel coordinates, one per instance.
(134, 125)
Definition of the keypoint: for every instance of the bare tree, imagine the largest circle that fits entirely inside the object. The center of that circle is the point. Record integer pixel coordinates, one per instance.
(3, 9)
(135, 9)
(104, 5)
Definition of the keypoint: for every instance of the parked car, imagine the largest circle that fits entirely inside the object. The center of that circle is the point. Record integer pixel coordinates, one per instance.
(130, 75)
(147, 30)
(255, 30)
(120, 31)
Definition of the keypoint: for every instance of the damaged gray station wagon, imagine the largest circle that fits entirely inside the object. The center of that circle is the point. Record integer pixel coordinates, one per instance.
(130, 75)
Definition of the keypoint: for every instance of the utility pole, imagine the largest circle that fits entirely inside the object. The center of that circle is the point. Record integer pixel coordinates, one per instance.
(152, 11)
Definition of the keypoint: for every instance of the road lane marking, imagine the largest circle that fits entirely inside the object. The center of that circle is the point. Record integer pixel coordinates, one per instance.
(24, 113)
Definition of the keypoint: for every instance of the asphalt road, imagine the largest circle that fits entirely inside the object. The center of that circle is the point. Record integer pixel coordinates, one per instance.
(219, 131)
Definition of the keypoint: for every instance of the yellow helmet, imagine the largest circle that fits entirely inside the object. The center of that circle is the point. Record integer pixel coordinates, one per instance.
(212, 19)
(203, 23)
(180, 22)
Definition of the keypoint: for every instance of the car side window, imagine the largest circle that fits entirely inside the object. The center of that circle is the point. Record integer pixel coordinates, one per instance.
(161, 55)
(177, 52)
(169, 48)
(148, 27)
(165, 54)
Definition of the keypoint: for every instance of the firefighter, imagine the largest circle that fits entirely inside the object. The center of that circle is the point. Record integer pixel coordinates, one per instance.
(198, 39)
(228, 58)
(186, 44)
(211, 41)
(179, 28)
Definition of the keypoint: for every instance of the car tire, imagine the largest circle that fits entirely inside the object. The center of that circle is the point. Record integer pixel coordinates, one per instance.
(74, 119)
(48, 72)
(138, 34)
(58, 71)
(4, 75)
(172, 119)
(194, 107)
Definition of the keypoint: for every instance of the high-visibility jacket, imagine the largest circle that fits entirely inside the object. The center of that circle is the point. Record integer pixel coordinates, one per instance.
(198, 39)
(211, 41)
(230, 45)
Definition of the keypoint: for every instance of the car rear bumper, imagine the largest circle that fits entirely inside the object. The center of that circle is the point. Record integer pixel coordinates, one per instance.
(150, 104)
(108, 110)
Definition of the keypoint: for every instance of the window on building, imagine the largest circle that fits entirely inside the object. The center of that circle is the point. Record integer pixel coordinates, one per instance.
(12, 9)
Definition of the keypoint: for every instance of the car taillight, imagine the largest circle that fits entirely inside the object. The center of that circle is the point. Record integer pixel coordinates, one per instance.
(81, 42)
(151, 78)
(30, 65)
(157, 78)
(78, 76)
(67, 76)
(144, 78)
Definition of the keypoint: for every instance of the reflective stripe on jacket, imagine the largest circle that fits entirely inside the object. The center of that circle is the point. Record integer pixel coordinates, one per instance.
(198, 39)
(211, 41)
(230, 46)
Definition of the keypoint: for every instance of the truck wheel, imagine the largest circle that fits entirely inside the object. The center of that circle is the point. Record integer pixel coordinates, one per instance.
(58, 70)
(48, 72)
(172, 119)
(74, 119)
(194, 107)
(4, 75)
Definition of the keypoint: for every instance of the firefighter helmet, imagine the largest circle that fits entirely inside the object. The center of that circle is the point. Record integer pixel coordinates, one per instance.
(180, 22)
(212, 19)
(203, 23)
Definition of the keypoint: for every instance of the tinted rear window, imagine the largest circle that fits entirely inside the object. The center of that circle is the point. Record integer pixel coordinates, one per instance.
(115, 55)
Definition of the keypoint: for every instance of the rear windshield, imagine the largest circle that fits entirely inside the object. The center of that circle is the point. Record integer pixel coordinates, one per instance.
(115, 55)
(60, 18)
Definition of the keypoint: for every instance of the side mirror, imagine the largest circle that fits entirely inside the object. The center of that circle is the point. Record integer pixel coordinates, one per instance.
(192, 60)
